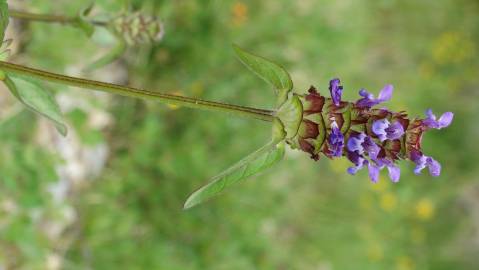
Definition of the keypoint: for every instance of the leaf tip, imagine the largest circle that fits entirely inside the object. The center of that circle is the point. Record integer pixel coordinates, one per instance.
(62, 129)
(190, 202)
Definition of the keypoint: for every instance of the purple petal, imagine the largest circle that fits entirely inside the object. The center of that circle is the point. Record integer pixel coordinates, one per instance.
(355, 143)
(387, 131)
(336, 140)
(386, 93)
(423, 161)
(430, 115)
(364, 93)
(371, 147)
(379, 128)
(444, 121)
(394, 173)
(359, 166)
(373, 172)
(368, 99)
(394, 131)
(336, 91)
(433, 166)
(420, 165)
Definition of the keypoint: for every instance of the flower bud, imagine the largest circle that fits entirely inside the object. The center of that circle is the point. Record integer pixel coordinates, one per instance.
(137, 28)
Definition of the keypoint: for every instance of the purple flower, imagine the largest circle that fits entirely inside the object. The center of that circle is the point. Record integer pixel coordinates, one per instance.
(374, 166)
(393, 170)
(387, 131)
(373, 172)
(336, 140)
(336, 91)
(368, 99)
(423, 161)
(358, 160)
(361, 143)
(377, 139)
(444, 121)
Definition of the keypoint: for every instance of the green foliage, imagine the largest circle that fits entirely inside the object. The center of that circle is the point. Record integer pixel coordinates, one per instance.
(3, 18)
(258, 161)
(269, 71)
(32, 94)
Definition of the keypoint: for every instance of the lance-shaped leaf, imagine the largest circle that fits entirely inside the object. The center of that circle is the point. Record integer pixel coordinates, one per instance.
(268, 71)
(37, 99)
(3, 18)
(256, 162)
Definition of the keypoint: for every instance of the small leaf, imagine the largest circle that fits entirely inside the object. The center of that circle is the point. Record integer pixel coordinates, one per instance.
(267, 70)
(256, 162)
(37, 99)
(3, 18)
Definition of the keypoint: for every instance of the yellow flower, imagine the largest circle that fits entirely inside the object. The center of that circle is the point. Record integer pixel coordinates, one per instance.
(425, 209)
(388, 202)
(239, 13)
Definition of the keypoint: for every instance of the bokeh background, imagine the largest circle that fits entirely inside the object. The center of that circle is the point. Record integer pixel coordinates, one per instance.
(110, 195)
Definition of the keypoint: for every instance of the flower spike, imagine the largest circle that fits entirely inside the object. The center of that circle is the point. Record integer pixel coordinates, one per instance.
(372, 138)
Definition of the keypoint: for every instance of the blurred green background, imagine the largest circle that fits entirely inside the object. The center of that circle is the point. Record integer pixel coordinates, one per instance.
(110, 195)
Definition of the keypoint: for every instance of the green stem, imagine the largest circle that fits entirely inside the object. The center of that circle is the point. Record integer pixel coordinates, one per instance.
(194, 103)
(47, 18)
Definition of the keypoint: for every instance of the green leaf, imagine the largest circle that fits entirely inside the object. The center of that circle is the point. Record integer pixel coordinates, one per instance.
(256, 162)
(267, 70)
(3, 18)
(37, 99)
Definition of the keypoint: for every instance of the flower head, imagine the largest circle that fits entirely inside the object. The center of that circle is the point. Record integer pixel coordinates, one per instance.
(372, 138)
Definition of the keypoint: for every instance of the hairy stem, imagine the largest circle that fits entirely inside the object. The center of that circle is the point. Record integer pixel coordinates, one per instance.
(189, 102)
(47, 18)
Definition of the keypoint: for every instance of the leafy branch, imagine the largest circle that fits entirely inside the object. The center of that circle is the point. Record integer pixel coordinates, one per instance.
(25, 84)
